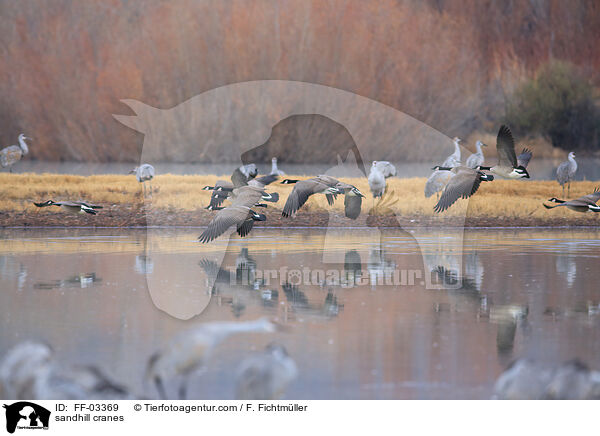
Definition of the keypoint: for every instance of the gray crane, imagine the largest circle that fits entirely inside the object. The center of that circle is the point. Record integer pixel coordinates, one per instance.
(566, 171)
(265, 375)
(477, 158)
(12, 154)
(144, 173)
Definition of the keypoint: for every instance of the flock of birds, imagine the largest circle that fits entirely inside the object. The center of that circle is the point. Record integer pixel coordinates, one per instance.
(450, 181)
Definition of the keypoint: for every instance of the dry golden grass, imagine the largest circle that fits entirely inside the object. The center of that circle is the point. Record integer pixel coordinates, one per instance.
(497, 199)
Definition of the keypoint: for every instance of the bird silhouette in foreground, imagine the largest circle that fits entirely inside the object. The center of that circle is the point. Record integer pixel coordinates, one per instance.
(30, 371)
(508, 165)
(14, 153)
(188, 352)
(463, 184)
(581, 204)
(322, 184)
(566, 171)
(72, 207)
(144, 173)
(525, 379)
(265, 375)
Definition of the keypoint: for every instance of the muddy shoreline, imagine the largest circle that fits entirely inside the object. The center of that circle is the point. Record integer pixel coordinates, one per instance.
(120, 216)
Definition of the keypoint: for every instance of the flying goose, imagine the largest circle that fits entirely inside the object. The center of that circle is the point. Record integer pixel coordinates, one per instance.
(566, 171)
(239, 213)
(265, 375)
(73, 207)
(476, 159)
(464, 183)
(274, 169)
(223, 190)
(13, 153)
(380, 170)
(241, 176)
(507, 166)
(144, 173)
(581, 204)
(187, 353)
(322, 184)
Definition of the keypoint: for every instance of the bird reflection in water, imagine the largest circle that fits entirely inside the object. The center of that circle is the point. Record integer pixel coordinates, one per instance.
(299, 305)
(77, 281)
(379, 267)
(352, 269)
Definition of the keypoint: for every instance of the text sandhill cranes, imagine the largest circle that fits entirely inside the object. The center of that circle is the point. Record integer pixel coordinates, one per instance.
(322, 184)
(566, 171)
(144, 173)
(187, 353)
(13, 153)
(438, 179)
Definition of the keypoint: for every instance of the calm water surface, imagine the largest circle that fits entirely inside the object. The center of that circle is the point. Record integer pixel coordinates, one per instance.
(377, 315)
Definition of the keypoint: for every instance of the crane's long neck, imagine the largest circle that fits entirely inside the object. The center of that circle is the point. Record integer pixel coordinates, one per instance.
(223, 330)
(479, 150)
(23, 145)
(273, 166)
(456, 150)
(572, 161)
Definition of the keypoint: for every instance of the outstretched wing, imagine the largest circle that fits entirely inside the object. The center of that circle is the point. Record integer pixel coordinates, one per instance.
(302, 190)
(462, 185)
(505, 144)
(524, 158)
(224, 219)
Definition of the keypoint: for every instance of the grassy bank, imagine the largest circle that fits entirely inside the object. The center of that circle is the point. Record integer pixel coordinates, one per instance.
(501, 202)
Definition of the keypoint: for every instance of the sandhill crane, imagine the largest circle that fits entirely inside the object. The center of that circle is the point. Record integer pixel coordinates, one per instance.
(274, 169)
(72, 207)
(265, 375)
(13, 153)
(30, 371)
(508, 165)
(464, 183)
(380, 170)
(477, 158)
(322, 184)
(187, 353)
(581, 204)
(438, 179)
(566, 171)
(144, 173)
